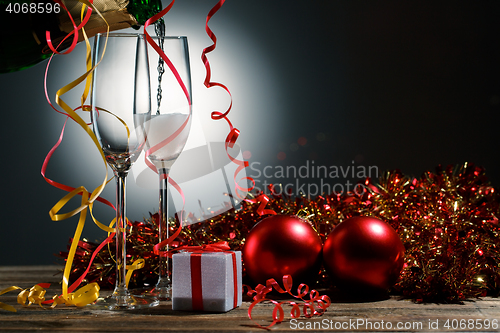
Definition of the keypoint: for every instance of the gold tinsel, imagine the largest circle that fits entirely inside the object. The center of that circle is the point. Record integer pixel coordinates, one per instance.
(447, 220)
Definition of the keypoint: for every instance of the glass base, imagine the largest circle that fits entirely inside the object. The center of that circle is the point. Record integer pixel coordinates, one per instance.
(156, 293)
(124, 302)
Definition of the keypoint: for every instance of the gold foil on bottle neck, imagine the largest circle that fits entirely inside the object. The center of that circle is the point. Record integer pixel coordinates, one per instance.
(114, 11)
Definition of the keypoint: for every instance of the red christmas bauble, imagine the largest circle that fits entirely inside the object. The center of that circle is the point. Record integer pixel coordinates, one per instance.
(280, 245)
(363, 253)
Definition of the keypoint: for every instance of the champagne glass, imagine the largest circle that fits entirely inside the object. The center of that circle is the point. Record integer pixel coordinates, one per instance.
(120, 95)
(167, 131)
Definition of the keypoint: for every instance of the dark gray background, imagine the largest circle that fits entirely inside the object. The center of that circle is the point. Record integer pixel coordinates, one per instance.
(393, 84)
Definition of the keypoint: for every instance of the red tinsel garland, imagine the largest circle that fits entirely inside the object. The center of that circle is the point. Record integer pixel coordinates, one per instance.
(447, 220)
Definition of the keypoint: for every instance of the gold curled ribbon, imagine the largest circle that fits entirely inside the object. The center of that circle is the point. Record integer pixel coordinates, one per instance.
(87, 293)
(6, 306)
(82, 297)
(33, 295)
(36, 295)
(138, 264)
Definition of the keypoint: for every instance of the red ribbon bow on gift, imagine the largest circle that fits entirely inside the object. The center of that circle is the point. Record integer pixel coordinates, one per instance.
(221, 246)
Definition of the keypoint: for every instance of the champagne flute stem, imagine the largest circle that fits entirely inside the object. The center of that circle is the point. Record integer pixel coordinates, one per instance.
(164, 283)
(121, 291)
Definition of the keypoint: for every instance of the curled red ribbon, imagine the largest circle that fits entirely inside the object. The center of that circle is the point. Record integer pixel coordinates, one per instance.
(233, 132)
(262, 200)
(316, 305)
(217, 115)
(74, 32)
(46, 163)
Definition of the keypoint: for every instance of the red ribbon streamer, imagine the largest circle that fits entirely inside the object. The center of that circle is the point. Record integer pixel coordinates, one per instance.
(57, 184)
(216, 115)
(94, 254)
(51, 152)
(171, 66)
(84, 274)
(233, 132)
(151, 20)
(74, 32)
(316, 305)
(58, 143)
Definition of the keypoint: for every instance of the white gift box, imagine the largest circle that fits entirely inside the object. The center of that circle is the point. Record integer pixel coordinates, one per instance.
(206, 281)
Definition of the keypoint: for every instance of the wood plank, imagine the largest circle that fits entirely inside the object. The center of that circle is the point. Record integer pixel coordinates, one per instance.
(391, 315)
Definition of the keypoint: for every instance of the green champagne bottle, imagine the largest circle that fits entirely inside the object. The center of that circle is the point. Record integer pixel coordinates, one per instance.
(23, 24)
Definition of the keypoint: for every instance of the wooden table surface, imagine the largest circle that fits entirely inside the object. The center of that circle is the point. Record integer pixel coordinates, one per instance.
(391, 315)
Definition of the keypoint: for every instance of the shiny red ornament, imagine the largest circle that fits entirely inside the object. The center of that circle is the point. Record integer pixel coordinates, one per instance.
(363, 253)
(280, 245)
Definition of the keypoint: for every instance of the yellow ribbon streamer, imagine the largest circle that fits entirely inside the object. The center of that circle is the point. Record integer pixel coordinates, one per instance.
(35, 294)
(85, 295)
(89, 292)
(138, 264)
(6, 306)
